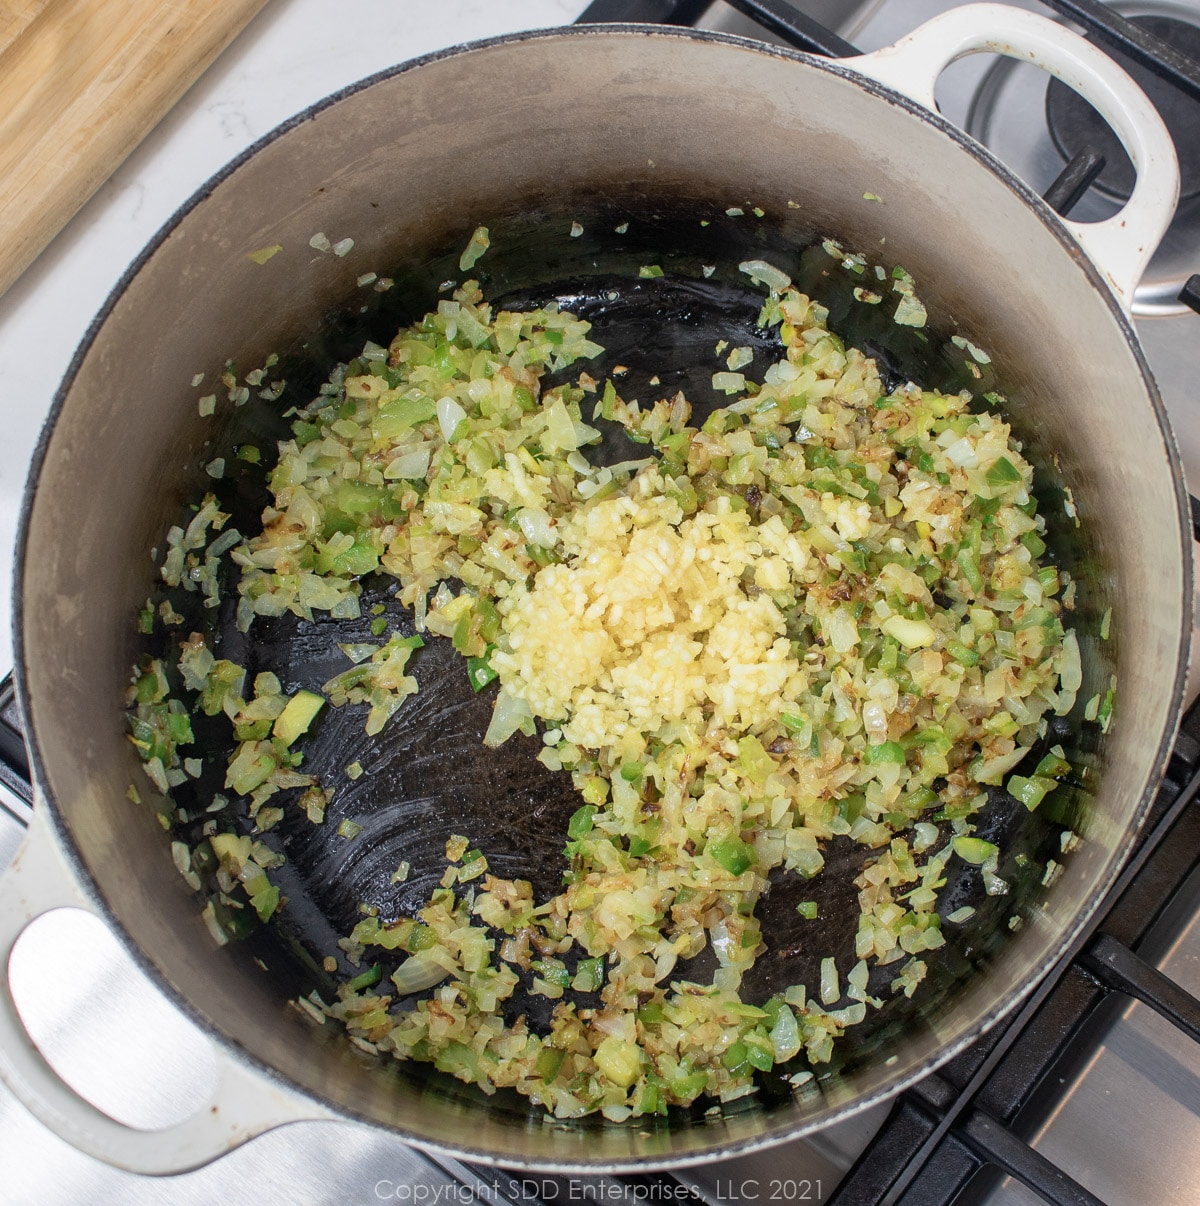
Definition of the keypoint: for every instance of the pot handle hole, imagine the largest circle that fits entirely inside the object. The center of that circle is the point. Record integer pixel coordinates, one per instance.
(1120, 246)
(244, 1103)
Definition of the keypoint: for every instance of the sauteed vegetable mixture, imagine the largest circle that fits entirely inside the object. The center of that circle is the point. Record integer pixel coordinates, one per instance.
(818, 617)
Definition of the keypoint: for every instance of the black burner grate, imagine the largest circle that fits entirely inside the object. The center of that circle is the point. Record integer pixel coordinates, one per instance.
(955, 1123)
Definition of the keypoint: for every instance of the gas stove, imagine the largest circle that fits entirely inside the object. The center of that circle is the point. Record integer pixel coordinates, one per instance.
(1092, 1093)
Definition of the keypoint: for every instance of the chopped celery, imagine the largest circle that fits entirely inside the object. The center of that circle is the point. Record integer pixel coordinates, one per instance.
(1053, 764)
(754, 760)
(974, 850)
(818, 618)
(298, 714)
(1029, 790)
(619, 1060)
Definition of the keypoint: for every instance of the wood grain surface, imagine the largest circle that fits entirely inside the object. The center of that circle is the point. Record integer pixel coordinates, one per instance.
(81, 84)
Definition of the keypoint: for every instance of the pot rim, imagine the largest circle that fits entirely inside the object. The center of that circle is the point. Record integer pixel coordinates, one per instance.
(1064, 944)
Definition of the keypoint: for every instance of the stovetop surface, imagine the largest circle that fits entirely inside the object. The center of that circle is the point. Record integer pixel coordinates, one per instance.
(293, 53)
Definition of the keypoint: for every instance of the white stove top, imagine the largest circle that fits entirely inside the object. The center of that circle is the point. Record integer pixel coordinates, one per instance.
(293, 53)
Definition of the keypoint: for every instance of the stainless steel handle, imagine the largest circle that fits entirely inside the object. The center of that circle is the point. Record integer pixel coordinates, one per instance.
(1120, 246)
(245, 1102)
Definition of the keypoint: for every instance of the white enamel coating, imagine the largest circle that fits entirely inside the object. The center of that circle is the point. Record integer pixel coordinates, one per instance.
(244, 1103)
(1120, 246)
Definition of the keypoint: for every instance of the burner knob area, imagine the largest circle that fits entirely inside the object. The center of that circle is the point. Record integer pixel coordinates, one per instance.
(1075, 126)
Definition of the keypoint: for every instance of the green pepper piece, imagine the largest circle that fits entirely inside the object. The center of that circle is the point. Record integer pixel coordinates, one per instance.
(480, 672)
(887, 751)
(580, 823)
(732, 853)
(1003, 473)
(589, 975)
(548, 1062)
(365, 979)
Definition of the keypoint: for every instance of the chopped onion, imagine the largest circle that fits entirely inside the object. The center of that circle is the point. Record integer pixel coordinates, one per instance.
(766, 274)
(412, 465)
(729, 383)
(786, 626)
(449, 416)
(417, 973)
(830, 990)
(962, 453)
(508, 714)
(1070, 668)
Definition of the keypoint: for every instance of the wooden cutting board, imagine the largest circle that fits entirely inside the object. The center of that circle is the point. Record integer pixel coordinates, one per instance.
(82, 82)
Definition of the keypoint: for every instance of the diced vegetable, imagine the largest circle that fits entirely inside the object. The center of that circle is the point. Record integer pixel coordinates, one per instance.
(297, 716)
(819, 619)
(974, 850)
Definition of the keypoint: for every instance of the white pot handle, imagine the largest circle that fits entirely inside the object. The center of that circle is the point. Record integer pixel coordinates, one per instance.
(244, 1104)
(1120, 246)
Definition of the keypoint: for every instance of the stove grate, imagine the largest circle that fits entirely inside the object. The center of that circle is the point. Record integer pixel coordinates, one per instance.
(962, 1121)
(1122, 35)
